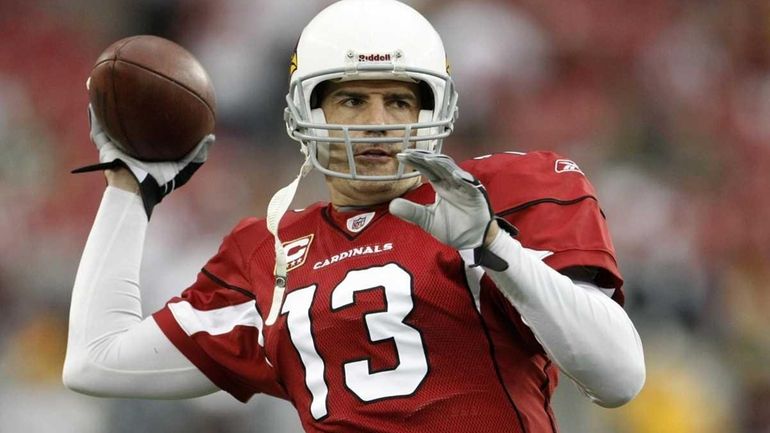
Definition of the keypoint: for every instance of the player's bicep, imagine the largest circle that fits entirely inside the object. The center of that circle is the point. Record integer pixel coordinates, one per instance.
(140, 362)
(573, 238)
(216, 323)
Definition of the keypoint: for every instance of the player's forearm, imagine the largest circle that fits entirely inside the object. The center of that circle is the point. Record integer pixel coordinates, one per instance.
(111, 350)
(585, 332)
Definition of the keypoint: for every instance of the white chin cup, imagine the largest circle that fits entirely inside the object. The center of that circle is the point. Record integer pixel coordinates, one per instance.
(322, 149)
(426, 116)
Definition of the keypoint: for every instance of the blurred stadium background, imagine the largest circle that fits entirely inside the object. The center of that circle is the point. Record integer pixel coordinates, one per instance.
(665, 104)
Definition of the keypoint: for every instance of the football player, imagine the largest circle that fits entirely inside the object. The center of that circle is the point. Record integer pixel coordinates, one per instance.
(403, 305)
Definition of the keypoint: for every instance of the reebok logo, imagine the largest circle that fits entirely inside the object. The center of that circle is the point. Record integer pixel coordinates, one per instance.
(565, 165)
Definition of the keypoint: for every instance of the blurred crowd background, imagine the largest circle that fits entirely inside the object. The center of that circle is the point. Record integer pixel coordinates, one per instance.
(665, 104)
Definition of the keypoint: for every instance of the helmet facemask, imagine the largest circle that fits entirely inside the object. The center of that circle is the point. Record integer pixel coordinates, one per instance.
(306, 123)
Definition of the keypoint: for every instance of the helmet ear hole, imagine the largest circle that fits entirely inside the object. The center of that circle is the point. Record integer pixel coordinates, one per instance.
(427, 101)
(317, 95)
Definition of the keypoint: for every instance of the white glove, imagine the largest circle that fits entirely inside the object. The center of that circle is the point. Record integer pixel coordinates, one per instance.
(461, 214)
(156, 179)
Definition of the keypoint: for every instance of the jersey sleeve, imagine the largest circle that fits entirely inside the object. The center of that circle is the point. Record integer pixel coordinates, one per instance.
(554, 206)
(217, 325)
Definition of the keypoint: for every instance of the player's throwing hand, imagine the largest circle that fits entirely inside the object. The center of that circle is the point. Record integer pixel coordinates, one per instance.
(156, 179)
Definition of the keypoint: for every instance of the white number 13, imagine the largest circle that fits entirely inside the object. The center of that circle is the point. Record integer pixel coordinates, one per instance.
(389, 324)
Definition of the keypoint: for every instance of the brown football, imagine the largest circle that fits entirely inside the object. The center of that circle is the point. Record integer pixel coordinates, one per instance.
(152, 97)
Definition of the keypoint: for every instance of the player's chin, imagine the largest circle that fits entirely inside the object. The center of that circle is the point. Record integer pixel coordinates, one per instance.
(376, 165)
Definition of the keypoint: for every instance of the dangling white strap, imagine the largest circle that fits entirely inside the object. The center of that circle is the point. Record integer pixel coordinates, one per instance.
(278, 206)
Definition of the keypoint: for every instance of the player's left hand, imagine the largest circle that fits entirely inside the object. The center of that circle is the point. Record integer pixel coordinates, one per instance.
(461, 215)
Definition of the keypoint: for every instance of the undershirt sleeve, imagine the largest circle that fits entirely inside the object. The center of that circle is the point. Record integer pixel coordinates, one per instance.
(112, 351)
(589, 336)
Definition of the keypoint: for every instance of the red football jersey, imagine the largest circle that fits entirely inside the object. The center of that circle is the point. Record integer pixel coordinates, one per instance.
(383, 328)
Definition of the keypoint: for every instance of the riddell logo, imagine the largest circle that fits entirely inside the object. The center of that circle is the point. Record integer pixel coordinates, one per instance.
(374, 57)
(565, 165)
(296, 251)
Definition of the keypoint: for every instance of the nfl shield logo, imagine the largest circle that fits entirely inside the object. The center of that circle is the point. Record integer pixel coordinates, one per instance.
(357, 223)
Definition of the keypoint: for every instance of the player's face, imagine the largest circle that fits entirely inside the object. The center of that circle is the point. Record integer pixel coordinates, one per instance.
(370, 102)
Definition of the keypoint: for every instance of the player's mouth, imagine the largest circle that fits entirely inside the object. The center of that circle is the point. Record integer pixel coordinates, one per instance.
(375, 155)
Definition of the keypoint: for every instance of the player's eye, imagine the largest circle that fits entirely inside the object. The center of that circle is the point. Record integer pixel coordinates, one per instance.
(401, 104)
(351, 102)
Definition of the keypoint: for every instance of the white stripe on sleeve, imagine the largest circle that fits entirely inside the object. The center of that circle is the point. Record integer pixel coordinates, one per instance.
(217, 321)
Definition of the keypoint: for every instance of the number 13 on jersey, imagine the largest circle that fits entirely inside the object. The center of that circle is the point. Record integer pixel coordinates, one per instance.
(388, 324)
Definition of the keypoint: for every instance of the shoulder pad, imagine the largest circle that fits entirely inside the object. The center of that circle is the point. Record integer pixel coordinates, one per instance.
(514, 178)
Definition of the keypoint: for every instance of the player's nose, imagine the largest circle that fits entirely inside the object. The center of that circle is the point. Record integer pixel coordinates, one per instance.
(376, 114)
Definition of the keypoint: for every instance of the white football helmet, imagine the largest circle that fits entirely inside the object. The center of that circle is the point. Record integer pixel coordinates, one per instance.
(368, 40)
